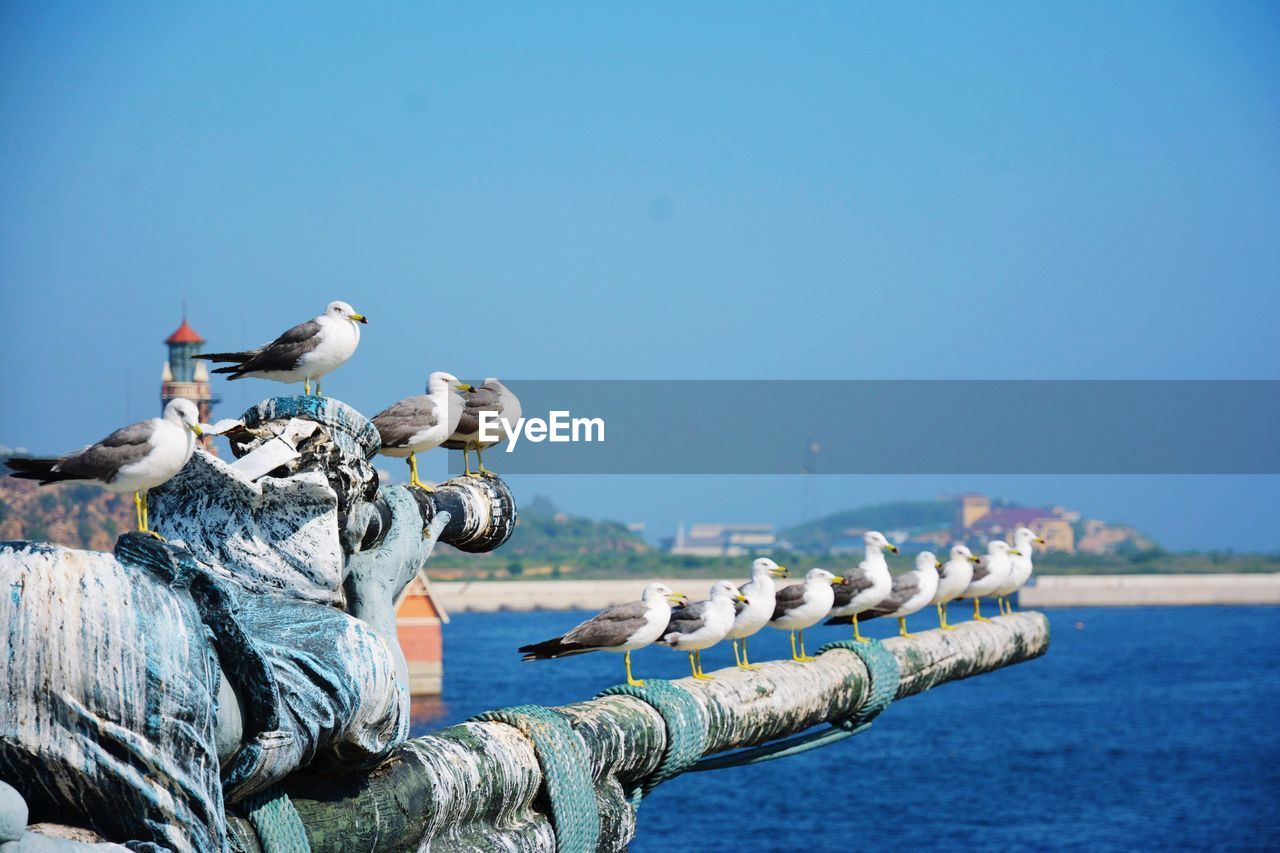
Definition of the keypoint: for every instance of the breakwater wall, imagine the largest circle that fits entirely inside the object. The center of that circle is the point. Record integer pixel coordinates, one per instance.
(1047, 591)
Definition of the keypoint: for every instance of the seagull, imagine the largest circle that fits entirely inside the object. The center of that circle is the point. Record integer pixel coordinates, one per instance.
(867, 585)
(307, 351)
(803, 604)
(1020, 562)
(953, 578)
(417, 424)
(755, 613)
(620, 628)
(989, 574)
(911, 591)
(702, 624)
(134, 459)
(491, 396)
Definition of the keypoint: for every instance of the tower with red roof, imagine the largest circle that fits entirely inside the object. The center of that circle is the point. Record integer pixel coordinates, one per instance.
(183, 376)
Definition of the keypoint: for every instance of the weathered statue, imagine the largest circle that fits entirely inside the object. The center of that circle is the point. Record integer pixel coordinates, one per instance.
(143, 692)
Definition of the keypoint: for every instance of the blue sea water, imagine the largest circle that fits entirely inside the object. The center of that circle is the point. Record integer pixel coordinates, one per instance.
(1142, 728)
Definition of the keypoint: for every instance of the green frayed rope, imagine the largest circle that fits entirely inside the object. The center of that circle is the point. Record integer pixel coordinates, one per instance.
(884, 673)
(566, 773)
(279, 826)
(686, 724)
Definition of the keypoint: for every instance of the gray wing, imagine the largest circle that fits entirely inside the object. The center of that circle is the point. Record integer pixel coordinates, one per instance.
(103, 461)
(686, 620)
(981, 568)
(400, 422)
(475, 401)
(855, 581)
(285, 351)
(788, 598)
(904, 586)
(611, 626)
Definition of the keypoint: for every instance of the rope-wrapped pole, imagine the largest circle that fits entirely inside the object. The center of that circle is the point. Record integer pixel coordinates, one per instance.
(476, 785)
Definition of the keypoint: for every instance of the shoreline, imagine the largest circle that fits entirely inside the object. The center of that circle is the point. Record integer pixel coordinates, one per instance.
(1046, 591)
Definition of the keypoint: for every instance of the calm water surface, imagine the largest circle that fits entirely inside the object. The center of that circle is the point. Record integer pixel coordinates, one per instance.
(1143, 728)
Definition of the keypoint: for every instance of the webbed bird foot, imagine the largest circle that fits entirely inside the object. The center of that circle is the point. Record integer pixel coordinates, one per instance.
(153, 533)
(702, 676)
(805, 659)
(982, 619)
(749, 667)
(635, 682)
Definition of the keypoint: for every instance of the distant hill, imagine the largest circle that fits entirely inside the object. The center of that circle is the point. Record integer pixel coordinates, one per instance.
(75, 515)
(817, 537)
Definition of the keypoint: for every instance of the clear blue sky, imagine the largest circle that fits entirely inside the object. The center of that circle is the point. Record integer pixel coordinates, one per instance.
(694, 190)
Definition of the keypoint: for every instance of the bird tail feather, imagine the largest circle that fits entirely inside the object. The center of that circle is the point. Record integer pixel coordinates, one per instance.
(37, 469)
(226, 356)
(553, 648)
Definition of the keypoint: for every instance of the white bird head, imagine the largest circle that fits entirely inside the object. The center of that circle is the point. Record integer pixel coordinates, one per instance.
(926, 560)
(183, 412)
(876, 539)
(1024, 537)
(342, 311)
(662, 592)
(998, 548)
(726, 589)
(439, 381)
(961, 552)
(764, 567)
(822, 576)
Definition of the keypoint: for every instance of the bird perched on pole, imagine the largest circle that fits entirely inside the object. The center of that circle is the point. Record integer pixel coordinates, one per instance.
(953, 579)
(620, 628)
(911, 592)
(134, 459)
(867, 585)
(1020, 566)
(702, 624)
(990, 573)
(491, 396)
(802, 605)
(309, 351)
(417, 424)
(757, 610)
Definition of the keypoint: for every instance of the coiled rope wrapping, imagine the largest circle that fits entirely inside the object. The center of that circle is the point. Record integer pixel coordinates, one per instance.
(884, 673)
(279, 826)
(686, 724)
(566, 773)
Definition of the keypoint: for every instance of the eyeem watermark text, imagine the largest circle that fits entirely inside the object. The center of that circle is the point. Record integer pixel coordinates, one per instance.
(559, 426)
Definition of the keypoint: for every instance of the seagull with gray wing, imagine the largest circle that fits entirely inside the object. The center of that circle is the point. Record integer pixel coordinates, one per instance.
(802, 605)
(620, 628)
(1020, 567)
(308, 351)
(754, 613)
(911, 592)
(702, 624)
(990, 573)
(491, 396)
(867, 585)
(417, 424)
(132, 459)
(953, 579)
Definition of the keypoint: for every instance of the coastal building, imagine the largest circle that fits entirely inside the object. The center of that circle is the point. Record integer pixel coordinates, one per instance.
(724, 540)
(418, 620)
(183, 376)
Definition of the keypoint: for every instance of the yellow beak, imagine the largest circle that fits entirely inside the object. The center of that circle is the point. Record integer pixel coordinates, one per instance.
(1015, 551)
(937, 564)
(196, 429)
(893, 548)
(1040, 541)
(779, 572)
(463, 386)
(360, 318)
(975, 558)
(739, 597)
(837, 579)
